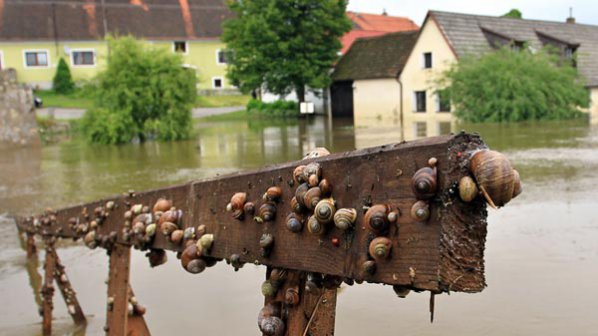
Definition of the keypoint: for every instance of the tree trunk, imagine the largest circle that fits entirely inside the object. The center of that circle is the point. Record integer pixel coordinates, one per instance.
(300, 93)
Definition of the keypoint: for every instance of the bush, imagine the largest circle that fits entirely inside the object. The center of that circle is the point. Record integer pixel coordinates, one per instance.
(144, 93)
(505, 86)
(63, 81)
(279, 108)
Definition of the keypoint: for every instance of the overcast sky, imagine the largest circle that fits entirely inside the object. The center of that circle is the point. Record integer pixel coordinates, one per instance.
(584, 11)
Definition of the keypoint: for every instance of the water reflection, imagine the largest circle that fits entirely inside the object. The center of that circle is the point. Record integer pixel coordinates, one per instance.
(541, 249)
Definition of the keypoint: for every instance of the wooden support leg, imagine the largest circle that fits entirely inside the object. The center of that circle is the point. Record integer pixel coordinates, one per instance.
(118, 290)
(68, 294)
(30, 246)
(136, 325)
(47, 290)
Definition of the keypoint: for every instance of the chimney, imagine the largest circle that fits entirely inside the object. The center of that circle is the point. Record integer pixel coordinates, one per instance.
(384, 12)
(570, 19)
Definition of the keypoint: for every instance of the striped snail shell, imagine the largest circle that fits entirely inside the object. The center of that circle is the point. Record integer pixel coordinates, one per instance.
(312, 197)
(324, 211)
(376, 218)
(295, 206)
(176, 237)
(423, 183)
(267, 211)
(196, 266)
(298, 174)
(188, 256)
(325, 187)
(273, 194)
(300, 193)
(344, 218)
(270, 324)
(315, 227)
(420, 211)
(380, 248)
(496, 178)
(294, 223)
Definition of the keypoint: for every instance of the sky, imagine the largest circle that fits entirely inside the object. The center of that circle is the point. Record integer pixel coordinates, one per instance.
(584, 11)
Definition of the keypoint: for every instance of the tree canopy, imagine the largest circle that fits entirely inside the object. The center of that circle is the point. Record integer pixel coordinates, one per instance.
(283, 45)
(514, 13)
(144, 92)
(507, 86)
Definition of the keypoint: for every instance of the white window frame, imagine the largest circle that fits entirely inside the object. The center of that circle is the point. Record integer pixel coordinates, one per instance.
(186, 47)
(424, 60)
(36, 66)
(2, 64)
(218, 58)
(72, 58)
(214, 82)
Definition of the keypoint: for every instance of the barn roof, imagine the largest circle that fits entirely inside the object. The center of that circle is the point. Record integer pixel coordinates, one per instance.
(376, 57)
(48, 20)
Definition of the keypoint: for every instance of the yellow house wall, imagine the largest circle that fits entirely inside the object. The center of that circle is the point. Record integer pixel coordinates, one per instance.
(376, 99)
(594, 105)
(415, 78)
(201, 55)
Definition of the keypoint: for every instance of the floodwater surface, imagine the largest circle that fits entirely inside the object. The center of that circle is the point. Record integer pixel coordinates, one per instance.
(541, 251)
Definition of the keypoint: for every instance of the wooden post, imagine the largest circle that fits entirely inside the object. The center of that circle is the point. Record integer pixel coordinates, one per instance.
(136, 325)
(68, 294)
(30, 246)
(48, 287)
(118, 290)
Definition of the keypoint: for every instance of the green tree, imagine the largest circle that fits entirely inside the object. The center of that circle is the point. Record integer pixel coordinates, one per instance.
(505, 86)
(283, 45)
(63, 81)
(143, 93)
(514, 13)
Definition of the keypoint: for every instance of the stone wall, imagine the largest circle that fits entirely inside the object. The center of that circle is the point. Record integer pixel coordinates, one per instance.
(18, 126)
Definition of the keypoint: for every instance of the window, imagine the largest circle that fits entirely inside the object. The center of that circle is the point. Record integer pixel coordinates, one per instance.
(222, 56)
(443, 101)
(420, 101)
(36, 58)
(427, 60)
(83, 58)
(217, 82)
(420, 129)
(444, 128)
(179, 47)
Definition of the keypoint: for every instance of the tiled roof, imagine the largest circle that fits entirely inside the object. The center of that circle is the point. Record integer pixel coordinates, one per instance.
(32, 20)
(465, 34)
(368, 25)
(376, 57)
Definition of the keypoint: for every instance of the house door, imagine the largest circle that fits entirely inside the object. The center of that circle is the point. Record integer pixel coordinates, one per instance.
(342, 99)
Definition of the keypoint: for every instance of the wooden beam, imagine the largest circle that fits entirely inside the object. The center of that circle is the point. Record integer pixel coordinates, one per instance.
(136, 325)
(118, 290)
(47, 290)
(67, 291)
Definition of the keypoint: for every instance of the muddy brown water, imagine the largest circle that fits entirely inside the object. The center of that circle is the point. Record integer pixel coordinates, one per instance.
(541, 252)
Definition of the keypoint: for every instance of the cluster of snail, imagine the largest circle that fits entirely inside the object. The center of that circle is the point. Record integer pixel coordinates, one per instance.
(378, 220)
(91, 224)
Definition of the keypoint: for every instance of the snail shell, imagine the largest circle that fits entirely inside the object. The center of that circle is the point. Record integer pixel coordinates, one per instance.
(401, 291)
(249, 208)
(298, 174)
(196, 266)
(325, 210)
(312, 169)
(272, 326)
(468, 190)
(326, 187)
(273, 194)
(313, 180)
(177, 236)
(369, 267)
(295, 206)
(315, 227)
(495, 177)
(138, 228)
(235, 261)
(238, 200)
(312, 197)
(300, 193)
(420, 211)
(172, 216)
(201, 230)
(191, 252)
(344, 218)
(156, 257)
(291, 296)
(162, 205)
(294, 223)
(90, 240)
(269, 289)
(376, 218)
(517, 187)
(168, 228)
(150, 230)
(189, 233)
(380, 248)
(266, 240)
(424, 183)
(393, 216)
(267, 211)
(205, 242)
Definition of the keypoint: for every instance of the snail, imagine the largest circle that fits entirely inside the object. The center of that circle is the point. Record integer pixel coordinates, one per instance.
(90, 240)
(313, 180)
(196, 266)
(162, 205)
(420, 211)
(324, 211)
(376, 218)
(273, 194)
(266, 244)
(315, 227)
(291, 296)
(401, 291)
(150, 230)
(300, 193)
(189, 233)
(296, 206)
(312, 197)
(423, 183)
(325, 187)
(313, 282)
(176, 237)
(298, 174)
(205, 242)
(312, 169)
(235, 261)
(137, 209)
(496, 178)
(269, 322)
(468, 190)
(249, 208)
(393, 216)
(278, 275)
(236, 205)
(380, 248)
(156, 257)
(294, 223)
(344, 218)
(168, 228)
(267, 211)
(138, 228)
(201, 230)
(368, 267)
(188, 259)
(172, 216)
(269, 288)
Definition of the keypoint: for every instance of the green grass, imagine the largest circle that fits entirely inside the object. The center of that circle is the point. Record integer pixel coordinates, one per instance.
(222, 101)
(233, 116)
(73, 100)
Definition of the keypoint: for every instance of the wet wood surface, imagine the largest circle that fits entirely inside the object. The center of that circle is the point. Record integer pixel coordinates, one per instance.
(118, 291)
(67, 291)
(48, 288)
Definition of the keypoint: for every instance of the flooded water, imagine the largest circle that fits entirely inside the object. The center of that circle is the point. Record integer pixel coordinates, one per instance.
(541, 252)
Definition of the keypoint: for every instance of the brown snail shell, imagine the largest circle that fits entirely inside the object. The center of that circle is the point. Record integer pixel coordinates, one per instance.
(295, 206)
(376, 218)
(249, 208)
(278, 275)
(266, 240)
(294, 223)
(172, 216)
(177, 236)
(273, 194)
(312, 169)
(162, 205)
(201, 230)
(267, 211)
(291, 296)
(517, 187)
(298, 174)
(238, 200)
(325, 187)
(313, 180)
(191, 252)
(325, 210)
(312, 197)
(420, 211)
(344, 218)
(156, 257)
(401, 291)
(380, 248)
(269, 322)
(168, 228)
(90, 240)
(196, 266)
(495, 176)
(300, 193)
(369, 267)
(315, 227)
(138, 228)
(424, 184)
(468, 190)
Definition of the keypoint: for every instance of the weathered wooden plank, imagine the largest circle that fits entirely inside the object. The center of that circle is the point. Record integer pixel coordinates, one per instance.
(423, 254)
(48, 287)
(136, 325)
(67, 291)
(118, 290)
